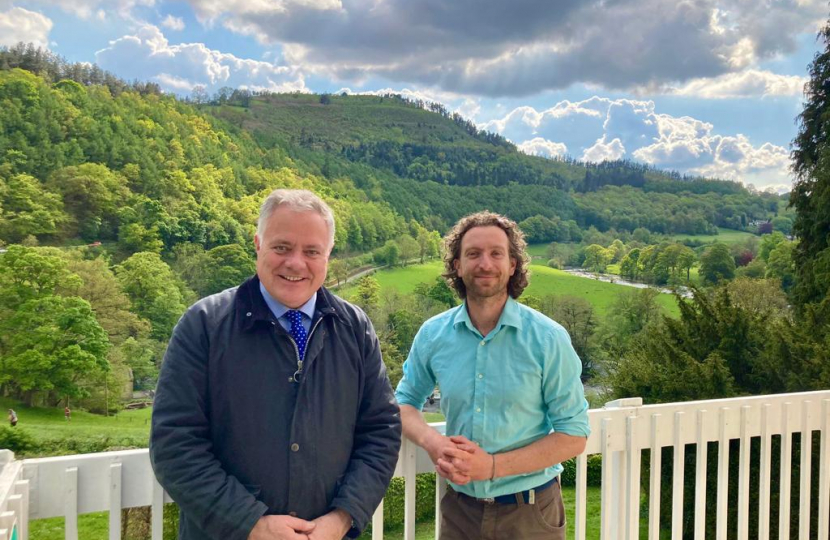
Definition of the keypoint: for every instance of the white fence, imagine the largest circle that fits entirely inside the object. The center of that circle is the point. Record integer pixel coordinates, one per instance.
(621, 432)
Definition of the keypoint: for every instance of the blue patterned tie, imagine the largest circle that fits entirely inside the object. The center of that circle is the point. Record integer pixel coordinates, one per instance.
(297, 330)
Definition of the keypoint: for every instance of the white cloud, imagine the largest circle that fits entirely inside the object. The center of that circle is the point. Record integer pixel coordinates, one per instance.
(176, 84)
(604, 151)
(493, 47)
(749, 83)
(148, 55)
(173, 23)
(469, 109)
(18, 24)
(576, 124)
(598, 129)
(543, 147)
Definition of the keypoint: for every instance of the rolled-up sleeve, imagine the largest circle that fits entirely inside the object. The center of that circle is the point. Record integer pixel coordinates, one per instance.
(418, 380)
(567, 408)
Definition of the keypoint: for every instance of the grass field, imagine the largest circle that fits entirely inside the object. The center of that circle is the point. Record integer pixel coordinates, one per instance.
(49, 424)
(544, 281)
(725, 236)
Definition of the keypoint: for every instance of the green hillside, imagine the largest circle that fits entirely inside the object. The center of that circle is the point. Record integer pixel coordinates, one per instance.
(543, 282)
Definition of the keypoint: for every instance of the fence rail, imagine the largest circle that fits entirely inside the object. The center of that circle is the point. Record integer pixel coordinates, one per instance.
(622, 433)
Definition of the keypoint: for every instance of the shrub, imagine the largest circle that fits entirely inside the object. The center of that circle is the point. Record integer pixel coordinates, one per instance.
(16, 439)
(568, 477)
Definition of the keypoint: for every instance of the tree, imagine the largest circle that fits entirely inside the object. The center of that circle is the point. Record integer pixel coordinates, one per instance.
(629, 265)
(92, 195)
(768, 243)
(53, 343)
(388, 255)
(577, 316)
(759, 296)
(227, 266)
(597, 257)
(29, 274)
(783, 224)
(715, 343)
(717, 264)
(618, 250)
(153, 290)
(408, 248)
(428, 243)
(780, 264)
(368, 294)
(811, 190)
(439, 291)
(99, 286)
(26, 208)
(339, 269)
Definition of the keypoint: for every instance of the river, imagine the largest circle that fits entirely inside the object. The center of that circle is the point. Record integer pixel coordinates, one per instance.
(617, 280)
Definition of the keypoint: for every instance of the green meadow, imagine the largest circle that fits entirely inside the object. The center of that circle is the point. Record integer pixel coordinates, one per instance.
(544, 281)
(725, 236)
(48, 424)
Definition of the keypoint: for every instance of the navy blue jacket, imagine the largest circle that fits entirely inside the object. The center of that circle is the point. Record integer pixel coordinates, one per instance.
(233, 438)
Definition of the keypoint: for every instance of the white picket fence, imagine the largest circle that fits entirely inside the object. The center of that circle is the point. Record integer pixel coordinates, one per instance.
(621, 432)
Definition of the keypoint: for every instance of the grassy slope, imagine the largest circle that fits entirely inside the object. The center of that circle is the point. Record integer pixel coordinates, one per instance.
(544, 281)
(725, 236)
(345, 121)
(49, 424)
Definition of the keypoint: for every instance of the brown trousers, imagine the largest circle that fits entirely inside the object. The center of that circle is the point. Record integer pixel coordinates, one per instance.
(465, 518)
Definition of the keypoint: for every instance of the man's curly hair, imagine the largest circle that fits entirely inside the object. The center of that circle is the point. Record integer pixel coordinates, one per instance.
(517, 246)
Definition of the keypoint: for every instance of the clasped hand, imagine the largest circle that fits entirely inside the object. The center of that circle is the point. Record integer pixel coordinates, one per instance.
(331, 526)
(461, 461)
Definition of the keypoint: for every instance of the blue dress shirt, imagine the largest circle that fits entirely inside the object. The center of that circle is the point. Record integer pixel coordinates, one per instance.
(504, 391)
(279, 310)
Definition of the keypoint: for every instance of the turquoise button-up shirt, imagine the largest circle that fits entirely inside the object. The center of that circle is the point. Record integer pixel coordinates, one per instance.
(504, 391)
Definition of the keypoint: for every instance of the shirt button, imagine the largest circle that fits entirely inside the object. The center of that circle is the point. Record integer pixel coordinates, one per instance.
(295, 447)
(481, 375)
(248, 314)
(483, 343)
(478, 409)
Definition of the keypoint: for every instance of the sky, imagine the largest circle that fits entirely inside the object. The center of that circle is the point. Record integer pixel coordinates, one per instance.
(704, 87)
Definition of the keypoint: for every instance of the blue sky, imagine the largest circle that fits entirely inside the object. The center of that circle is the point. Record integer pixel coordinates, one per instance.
(707, 87)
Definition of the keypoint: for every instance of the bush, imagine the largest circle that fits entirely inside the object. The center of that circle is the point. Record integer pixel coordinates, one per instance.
(568, 477)
(393, 502)
(16, 439)
(88, 445)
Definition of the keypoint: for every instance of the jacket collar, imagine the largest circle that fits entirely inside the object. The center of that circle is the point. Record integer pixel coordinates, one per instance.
(251, 308)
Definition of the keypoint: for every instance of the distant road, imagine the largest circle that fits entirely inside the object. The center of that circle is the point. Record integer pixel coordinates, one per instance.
(366, 271)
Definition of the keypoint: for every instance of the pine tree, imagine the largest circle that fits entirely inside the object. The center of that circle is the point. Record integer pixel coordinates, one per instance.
(811, 191)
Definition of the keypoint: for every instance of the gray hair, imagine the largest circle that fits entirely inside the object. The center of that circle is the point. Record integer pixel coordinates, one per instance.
(298, 200)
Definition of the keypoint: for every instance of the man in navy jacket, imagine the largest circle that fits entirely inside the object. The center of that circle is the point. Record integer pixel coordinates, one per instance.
(273, 416)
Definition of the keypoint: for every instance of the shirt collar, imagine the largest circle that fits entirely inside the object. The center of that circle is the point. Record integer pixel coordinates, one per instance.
(510, 316)
(278, 309)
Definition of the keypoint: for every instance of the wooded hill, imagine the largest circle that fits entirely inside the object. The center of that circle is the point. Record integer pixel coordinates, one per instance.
(85, 157)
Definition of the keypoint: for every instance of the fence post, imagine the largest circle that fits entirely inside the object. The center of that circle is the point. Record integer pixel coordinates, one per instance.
(619, 477)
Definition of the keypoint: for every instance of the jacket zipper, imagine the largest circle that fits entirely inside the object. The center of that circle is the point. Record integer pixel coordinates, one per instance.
(296, 377)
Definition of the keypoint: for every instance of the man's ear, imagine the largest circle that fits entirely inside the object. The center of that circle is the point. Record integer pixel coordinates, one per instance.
(256, 242)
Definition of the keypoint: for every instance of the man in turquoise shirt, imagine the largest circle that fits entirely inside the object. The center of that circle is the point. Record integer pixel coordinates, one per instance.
(510, 390)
